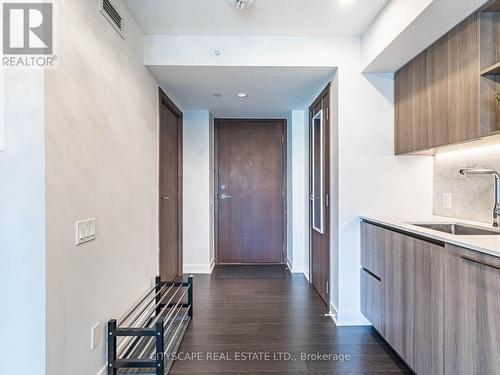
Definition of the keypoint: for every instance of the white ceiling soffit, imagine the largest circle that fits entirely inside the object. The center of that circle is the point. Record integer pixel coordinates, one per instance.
(388, 43)
(265, 17)
(272, 91)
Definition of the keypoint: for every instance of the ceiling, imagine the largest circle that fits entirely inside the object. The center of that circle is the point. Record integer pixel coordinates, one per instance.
(265, 17)
(272, 91)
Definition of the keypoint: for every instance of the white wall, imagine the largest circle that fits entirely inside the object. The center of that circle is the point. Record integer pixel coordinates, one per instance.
(396, 16)
(299, 162)
(197, 177)
(289, 189)
(101, 161)
(212, 191)
(22, 225)
(405, 28)
(372, 180)
(334, 194)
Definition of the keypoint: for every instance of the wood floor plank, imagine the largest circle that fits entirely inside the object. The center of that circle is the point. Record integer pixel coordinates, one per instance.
(238, 314)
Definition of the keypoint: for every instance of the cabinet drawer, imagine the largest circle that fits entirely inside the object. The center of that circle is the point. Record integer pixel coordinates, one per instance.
(373, 242)
(371, 299)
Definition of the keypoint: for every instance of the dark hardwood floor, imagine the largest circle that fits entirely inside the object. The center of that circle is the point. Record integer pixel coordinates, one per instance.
(267, 316)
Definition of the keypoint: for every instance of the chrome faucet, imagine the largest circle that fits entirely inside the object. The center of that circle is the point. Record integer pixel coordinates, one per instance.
(496, 175)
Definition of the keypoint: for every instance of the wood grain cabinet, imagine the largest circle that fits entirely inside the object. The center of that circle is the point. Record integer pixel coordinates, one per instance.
(374, 241)
(472, 313)
(411, 302)
(373, 244)
(446, 95)
(412, 107)
(371, 300)
(437, 305)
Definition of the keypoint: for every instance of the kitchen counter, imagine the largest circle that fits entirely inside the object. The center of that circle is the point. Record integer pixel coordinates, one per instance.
(484, 243)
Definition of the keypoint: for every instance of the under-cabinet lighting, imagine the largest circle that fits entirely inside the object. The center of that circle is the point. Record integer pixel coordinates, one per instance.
(478, 147)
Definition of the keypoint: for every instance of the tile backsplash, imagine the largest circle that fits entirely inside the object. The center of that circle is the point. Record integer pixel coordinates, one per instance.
(471, 197)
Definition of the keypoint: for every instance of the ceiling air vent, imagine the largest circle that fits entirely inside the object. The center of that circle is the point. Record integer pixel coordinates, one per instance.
(112, 15)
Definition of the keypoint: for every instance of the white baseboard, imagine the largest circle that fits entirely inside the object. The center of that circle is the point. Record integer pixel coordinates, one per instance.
(298, 268)
(289, 264)
(306, 275)
(334, 314)
(212, 265)
(197, 268)
(349, 318)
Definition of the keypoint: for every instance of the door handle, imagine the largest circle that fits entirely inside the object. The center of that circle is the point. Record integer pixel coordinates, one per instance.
(165, 198)
(225, 196)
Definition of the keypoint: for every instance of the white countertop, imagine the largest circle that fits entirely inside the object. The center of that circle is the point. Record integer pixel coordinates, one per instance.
(484, 243)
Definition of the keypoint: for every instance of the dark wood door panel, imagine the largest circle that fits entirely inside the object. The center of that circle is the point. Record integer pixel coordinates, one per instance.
(251, 199)
(170, 189)
(320, 242)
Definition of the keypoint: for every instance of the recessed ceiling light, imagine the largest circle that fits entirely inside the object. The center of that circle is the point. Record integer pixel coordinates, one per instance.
(243, 4)
(242, 95)
(217, 94)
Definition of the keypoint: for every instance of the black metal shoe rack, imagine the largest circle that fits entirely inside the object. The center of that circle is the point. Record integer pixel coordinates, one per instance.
(143, 339)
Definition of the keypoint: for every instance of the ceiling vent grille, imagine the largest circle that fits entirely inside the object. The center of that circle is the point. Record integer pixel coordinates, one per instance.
(112, 15)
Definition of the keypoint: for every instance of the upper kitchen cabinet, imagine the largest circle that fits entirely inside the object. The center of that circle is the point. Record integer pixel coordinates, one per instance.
(463, 83)
(447, 94)
(412, 103)
(490, 69)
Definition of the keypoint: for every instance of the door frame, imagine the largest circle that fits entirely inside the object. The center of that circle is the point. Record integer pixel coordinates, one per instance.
(284, 124)
(327, 212)
(163, 99)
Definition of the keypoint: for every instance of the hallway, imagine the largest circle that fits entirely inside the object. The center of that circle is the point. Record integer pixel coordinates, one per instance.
(264, 311)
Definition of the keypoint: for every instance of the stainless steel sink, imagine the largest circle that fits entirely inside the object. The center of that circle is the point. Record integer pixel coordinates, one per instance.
(459, 229)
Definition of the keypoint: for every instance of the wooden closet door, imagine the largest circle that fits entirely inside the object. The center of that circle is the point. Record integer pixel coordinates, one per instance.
(170, 189)
(319, 198)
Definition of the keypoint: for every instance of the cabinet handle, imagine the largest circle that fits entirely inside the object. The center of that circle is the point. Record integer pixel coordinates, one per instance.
(371, 274)
(480, 263)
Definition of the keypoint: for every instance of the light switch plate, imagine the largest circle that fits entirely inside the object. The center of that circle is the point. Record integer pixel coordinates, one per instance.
(96, 336)
(447, 200)
(85, 230)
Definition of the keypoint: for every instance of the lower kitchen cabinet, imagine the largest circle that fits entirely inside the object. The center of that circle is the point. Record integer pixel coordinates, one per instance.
(472, 313)
(371, 301)
(411, 302)
(412, 294)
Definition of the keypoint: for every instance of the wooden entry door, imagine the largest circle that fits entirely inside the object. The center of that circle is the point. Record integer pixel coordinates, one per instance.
(170, 189)
(251, 195)
(319, 136)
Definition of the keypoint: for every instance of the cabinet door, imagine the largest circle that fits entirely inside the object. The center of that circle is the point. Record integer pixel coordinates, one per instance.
(412, 106)
(437, 79)
(463, 80)
(371, 299)
(437, 94)
(373, 239)
(392, 291)
(422, 306)
(412, 302)
(472, 311)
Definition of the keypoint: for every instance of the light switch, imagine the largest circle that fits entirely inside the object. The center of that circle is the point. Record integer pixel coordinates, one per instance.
(85, 230)
(96, 336)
